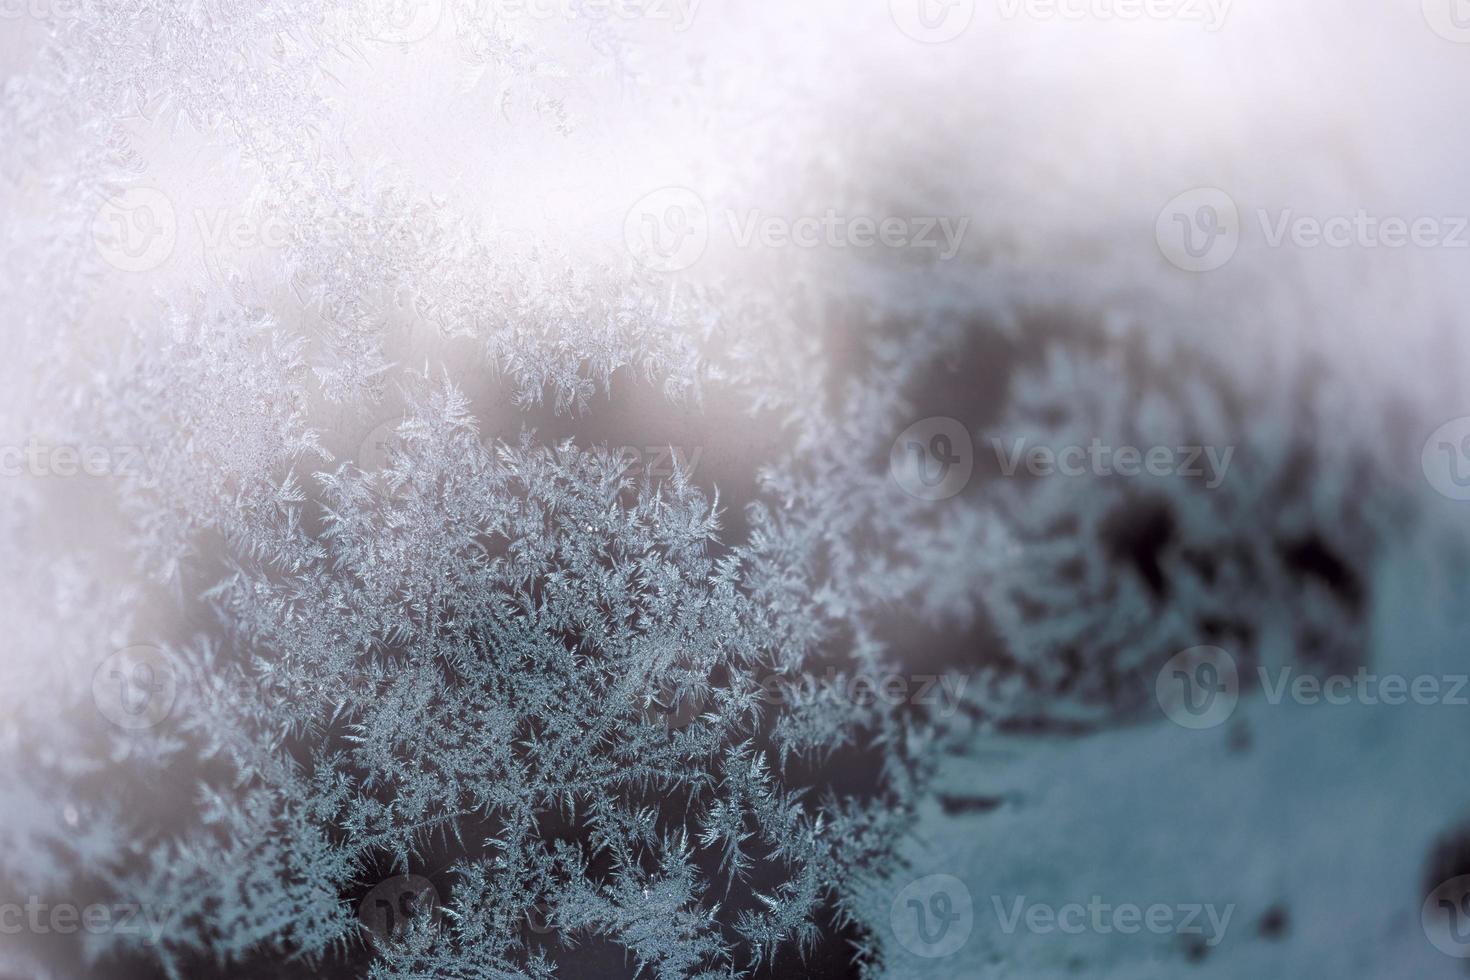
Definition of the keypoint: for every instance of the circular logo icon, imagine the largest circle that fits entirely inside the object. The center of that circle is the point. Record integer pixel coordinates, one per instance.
(402, 21)
(373, 452)
(933, 459)
(540, 919)
(1199, 687)
(667, 230)
(673, 711)
(1450, 19)
(1446, 459)
(1199, 230)
(932, 21)
(394, 905)
(933, 917)
(375, 457)
(1445, 917)
(135, 688)
(136, 229)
